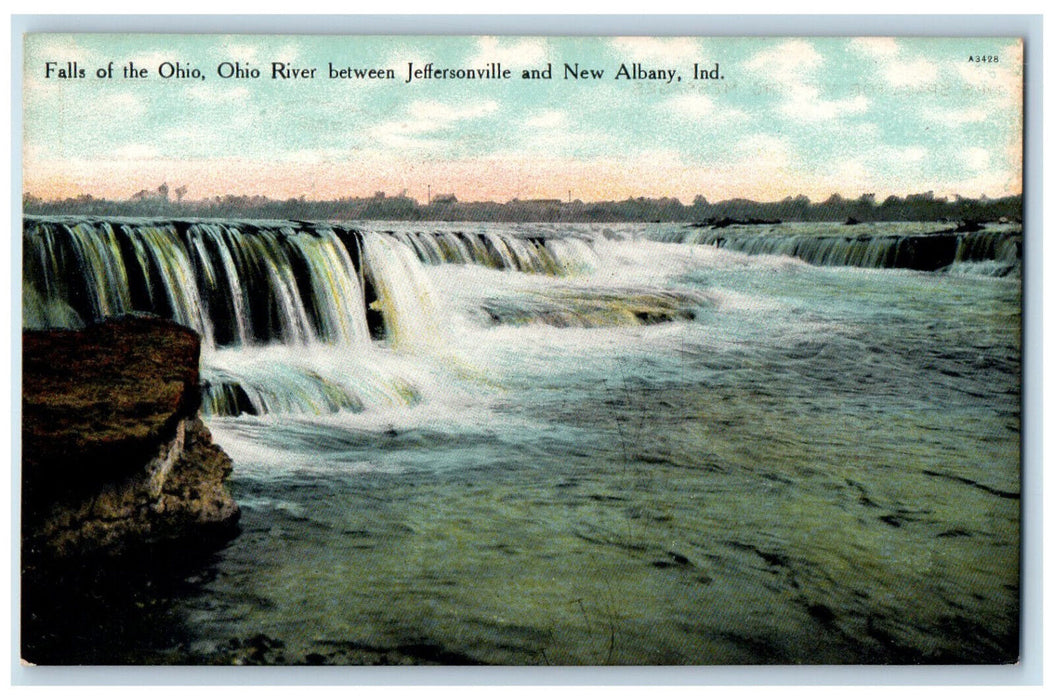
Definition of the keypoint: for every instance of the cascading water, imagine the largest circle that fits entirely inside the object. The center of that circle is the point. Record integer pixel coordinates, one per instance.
(550, 256)
(274, 302)
(404, 298)
(159, 252)
(576, 444)
(913, 246)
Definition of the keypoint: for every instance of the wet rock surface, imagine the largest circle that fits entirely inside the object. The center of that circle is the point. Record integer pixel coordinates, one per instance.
(114, 456)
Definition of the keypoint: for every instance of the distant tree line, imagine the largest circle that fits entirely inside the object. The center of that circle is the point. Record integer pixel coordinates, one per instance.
(913, 207)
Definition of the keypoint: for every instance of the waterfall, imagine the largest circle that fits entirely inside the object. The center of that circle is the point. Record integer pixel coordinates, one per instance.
(43, 314)
(295, 317)
(158, 249)
(988, 245)
(246, 283)
(341, 311)
(404, 296)
(927, 250)
(235, 283)
(502, 251)
(79, 265)
(276, 379)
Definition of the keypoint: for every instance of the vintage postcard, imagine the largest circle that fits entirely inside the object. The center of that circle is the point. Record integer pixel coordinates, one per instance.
(535, 350)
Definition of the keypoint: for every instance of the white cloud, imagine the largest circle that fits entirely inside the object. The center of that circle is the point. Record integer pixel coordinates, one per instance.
(864, 131)
(805, 104)
(877, 46)
(191, 135)
(249, 54)
(765, 151)
(789, 62)
(314, 155)
(792, 66)
(851, 173)
(895, 159)
(59, 48)
(691, 105)
(976, 158)
(552, 133)
(135, 151)
(288, 52)
(673, 50)
(698, 106)
(915, 73)
(36, 88)
(127, 105)
(549, 119)
(246, 53)
(211, 94)
(149, 60)
(432, 115)
(897, 70)
(398, 135)
(956, 117)
(427, 116)
(397, 62)
(912, 154)
(516, 54)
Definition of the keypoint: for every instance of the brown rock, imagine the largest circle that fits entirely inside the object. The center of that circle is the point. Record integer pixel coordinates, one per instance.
(113, 454)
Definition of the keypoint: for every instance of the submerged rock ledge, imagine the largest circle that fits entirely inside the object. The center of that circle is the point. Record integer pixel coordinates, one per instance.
(114, 456)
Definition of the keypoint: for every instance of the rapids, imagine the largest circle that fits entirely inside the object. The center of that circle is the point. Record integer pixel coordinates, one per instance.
(574, 444)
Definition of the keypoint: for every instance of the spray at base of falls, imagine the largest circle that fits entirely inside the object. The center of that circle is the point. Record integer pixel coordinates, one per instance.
(290, 314)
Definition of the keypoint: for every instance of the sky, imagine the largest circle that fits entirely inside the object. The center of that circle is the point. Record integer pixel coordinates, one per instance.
(788, 116)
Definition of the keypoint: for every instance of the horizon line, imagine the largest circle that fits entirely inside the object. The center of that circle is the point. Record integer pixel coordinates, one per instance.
(156, 196)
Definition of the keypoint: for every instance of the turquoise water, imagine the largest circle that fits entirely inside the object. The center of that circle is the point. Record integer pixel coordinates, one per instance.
(792, 464)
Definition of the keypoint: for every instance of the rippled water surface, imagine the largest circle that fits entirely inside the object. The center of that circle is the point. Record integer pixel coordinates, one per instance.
(674, 455)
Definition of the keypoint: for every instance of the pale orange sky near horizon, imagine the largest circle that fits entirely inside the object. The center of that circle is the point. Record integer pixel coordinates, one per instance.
(498, 181)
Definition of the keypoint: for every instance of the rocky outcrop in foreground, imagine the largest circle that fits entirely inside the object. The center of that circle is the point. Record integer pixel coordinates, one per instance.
(114, 456)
